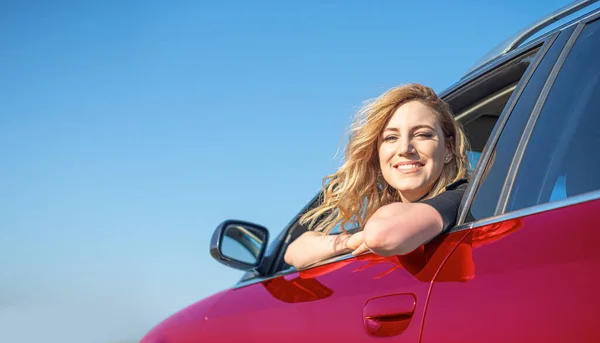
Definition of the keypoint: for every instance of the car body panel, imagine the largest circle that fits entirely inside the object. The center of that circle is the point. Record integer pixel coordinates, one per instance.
(534, 281)
(317, 303)
(187, 324)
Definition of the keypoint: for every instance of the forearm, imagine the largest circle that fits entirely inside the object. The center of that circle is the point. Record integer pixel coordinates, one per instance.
(398, 229)
(313, 247)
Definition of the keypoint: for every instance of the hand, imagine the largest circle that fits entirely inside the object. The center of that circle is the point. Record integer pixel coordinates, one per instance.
(357, 244)
(313, 247)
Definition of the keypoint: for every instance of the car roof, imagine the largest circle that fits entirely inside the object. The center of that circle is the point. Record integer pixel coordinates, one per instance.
(556, 20)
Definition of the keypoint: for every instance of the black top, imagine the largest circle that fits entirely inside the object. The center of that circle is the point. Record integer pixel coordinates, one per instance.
(448, 202)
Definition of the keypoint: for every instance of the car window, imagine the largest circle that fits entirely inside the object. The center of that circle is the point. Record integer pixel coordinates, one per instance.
(561, 157)
(473, 159)
(490, 187)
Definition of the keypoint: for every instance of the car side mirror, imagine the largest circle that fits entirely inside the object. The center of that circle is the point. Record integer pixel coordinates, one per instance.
(240, 245)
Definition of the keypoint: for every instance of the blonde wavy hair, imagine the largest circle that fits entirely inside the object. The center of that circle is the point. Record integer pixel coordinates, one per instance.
(357, 189)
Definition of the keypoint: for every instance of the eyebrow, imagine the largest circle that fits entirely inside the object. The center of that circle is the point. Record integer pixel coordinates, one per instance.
(413, 128)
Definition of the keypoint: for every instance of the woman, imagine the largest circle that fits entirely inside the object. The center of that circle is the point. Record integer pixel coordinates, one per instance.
(404, 173)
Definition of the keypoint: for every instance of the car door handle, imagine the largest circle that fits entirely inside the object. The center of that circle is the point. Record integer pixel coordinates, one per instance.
(388, 315)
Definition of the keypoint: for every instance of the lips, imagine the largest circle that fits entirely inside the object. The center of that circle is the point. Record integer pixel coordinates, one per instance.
(409, 165)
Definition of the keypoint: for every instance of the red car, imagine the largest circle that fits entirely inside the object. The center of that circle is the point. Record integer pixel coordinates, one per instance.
(521, 266)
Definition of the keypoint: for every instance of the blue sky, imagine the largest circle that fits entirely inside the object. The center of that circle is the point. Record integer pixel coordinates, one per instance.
(130, 130)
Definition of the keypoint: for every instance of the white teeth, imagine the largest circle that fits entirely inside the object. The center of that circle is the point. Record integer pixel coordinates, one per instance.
(407, 166)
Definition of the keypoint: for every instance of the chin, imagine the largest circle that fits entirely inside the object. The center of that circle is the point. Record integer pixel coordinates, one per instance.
(408, 191)
(409, 186)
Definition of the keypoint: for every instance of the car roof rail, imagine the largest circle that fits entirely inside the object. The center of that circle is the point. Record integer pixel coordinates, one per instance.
(521, 36)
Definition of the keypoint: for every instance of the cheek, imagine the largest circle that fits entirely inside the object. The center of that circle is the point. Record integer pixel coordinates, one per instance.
(441, 153)
(436, 152)
(385, 153)
(440, 156)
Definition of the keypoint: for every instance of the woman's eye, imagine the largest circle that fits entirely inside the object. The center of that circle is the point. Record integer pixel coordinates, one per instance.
(424, 134)
(389, 138)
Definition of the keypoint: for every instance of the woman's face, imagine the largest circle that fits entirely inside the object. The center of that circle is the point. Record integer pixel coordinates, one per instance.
(413, 150)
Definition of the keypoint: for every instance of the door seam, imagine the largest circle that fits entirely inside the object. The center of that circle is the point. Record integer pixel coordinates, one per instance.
(426, 306)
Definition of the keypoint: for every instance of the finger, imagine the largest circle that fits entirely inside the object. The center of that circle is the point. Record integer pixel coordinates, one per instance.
(362, 248)
(355, 241)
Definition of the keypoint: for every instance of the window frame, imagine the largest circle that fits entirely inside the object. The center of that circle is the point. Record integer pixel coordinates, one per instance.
(543, 45)
(500, 130)
(534, 118)
(501, 214)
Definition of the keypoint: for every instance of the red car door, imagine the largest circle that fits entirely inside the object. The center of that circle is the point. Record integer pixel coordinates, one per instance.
(535, 258)
(353, 300)
(350, 299)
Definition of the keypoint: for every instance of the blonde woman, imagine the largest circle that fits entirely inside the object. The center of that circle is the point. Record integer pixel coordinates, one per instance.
(404, 173)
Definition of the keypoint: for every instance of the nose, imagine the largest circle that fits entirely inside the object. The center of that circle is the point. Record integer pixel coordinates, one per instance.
(405, 147)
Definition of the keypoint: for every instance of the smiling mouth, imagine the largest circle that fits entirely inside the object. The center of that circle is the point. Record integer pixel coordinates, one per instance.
(408, 166)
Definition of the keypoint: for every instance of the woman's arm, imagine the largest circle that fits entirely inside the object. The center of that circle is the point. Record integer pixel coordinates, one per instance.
(313, 247)
(400, 228)
(394, 229)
